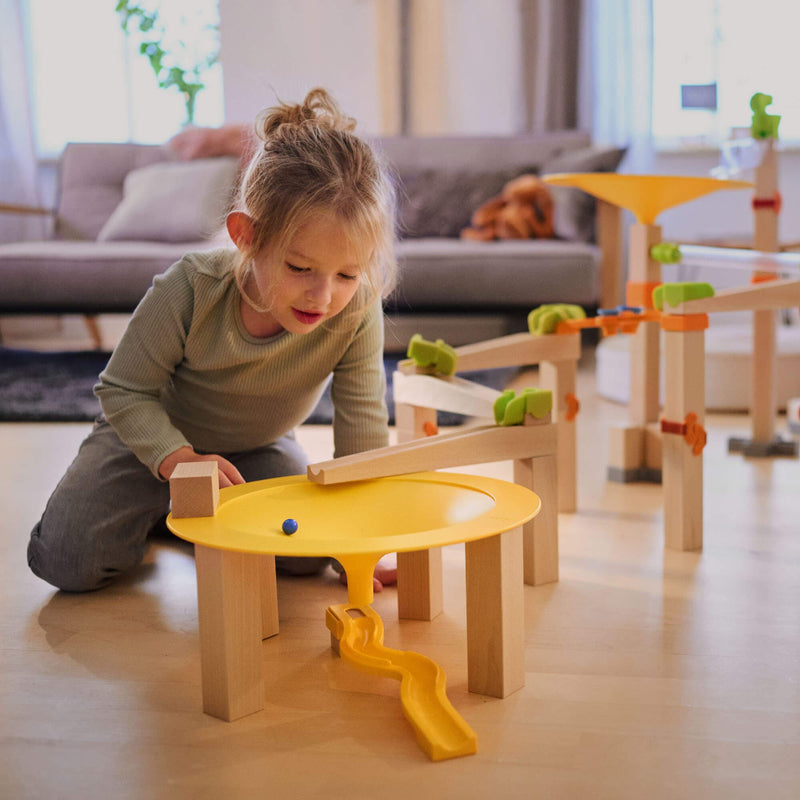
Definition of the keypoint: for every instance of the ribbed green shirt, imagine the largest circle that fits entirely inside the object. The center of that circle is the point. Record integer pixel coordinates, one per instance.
(186, 372)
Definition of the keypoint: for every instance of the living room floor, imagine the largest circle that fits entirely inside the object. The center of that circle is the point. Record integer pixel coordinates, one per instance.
(649, 673)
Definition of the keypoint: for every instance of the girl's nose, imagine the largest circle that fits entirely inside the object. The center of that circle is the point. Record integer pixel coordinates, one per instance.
(320, 292)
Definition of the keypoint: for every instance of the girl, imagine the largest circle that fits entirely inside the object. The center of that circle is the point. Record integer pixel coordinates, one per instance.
(231, 349)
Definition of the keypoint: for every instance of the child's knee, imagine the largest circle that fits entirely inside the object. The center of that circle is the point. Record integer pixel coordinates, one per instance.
(71, 566)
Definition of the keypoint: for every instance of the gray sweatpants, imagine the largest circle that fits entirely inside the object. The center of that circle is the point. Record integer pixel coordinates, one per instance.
(96, 523)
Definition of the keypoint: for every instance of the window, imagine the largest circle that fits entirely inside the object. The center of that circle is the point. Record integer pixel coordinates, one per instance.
(738, 48)
(90, 83)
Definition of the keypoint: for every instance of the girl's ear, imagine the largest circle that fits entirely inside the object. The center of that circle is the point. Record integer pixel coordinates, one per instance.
(240, 228)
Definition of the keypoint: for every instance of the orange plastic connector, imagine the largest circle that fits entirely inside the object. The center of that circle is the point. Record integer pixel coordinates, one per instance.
(573, 406)
(761, 277)
(684, 322)
(775, 202)
(641, 293)
(694, 433)
(430, 429)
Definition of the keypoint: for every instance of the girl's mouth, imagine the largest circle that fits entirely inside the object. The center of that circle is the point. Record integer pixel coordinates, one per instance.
(307, 317)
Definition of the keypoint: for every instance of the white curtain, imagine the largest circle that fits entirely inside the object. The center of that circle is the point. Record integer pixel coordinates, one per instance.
(18, 170)
(618, 77)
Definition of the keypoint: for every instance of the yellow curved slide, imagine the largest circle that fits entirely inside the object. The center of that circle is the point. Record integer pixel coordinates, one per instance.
(440, 729)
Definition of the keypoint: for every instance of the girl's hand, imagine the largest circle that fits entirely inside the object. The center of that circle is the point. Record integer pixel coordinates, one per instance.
(228, 474)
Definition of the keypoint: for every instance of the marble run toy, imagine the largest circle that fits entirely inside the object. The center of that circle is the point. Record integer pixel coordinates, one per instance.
(418, 396)
(358, 523)
(635, 449)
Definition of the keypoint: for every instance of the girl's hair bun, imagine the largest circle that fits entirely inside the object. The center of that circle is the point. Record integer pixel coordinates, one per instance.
(318, 108)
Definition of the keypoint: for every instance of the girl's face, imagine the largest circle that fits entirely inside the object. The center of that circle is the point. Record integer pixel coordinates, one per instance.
(320, 274)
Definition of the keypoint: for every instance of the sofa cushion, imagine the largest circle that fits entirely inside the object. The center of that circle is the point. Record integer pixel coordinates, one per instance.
(82, 277)
(511, 274)
(440, 202)
(574, 210)
(174, 201)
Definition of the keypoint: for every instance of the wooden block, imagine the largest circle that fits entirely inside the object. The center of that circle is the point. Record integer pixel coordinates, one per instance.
(764, 296)
(479, 445)
(411, 421)
(419, 574)
(518, 349)
(609, 239)
(495, 614)
(268, 583)
(653, 446)
(194, 489)
(684, 369)
(763, 407)
(560, 378)
(626, 447)
(540, 535)
(419, 584)
(456, 395)
(229, 618)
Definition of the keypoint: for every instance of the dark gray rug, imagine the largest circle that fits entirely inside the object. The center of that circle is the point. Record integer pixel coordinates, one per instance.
(57, 387)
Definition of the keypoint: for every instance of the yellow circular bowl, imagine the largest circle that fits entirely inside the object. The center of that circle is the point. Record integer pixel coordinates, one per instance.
(398, 513)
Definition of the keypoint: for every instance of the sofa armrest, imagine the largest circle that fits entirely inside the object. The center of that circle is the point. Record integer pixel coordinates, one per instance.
(608, 228)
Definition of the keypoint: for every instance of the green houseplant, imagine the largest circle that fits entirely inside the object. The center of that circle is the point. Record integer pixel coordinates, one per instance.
(179, 56)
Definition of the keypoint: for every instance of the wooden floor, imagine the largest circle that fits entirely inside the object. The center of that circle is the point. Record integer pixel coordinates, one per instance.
(650, 674)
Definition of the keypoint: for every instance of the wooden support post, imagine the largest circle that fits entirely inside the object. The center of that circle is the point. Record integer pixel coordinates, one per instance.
(268, 582)
(540, 535)
(763, 407)
(609, 239)
(229, 617)
(684, 369)
(645, 343)
(560, 378)
(495, 614)
(419, 574)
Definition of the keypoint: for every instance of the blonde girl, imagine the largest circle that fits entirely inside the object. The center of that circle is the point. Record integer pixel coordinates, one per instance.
(231, 349)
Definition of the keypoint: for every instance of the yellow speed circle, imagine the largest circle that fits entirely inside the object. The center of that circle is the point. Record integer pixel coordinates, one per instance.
(398, 513)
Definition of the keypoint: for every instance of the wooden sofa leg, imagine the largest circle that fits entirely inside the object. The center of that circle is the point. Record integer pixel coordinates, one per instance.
(90, 321)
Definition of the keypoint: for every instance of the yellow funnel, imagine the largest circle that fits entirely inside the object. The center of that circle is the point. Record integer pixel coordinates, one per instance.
(646, 196)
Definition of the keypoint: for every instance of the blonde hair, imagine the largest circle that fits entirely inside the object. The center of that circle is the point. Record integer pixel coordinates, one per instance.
(311, 162)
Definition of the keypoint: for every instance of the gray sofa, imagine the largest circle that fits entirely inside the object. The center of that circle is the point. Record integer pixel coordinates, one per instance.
(125, 212)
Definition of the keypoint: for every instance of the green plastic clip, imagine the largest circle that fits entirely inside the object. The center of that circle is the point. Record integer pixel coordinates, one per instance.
(437, 355)
(510, 408)
(545, 319)
(676, 293)
(666, 253)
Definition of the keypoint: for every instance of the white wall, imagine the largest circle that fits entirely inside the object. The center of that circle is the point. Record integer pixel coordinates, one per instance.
(284, 47)
(279, 49)
(728, 213)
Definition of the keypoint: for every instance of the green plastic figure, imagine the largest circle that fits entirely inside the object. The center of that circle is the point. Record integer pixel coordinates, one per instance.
(763, 125)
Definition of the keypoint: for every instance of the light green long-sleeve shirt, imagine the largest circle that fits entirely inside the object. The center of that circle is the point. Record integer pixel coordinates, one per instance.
(186, 371)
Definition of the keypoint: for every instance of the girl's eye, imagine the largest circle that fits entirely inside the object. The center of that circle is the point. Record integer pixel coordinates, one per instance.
(347, 277)
(293, 268)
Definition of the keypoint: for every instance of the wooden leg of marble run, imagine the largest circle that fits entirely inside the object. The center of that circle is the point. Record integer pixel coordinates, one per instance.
(495, 605)
(633, 449)
(560, 378)
(684, 437)
(763, 406)
(766, 297)
(419, 574)
(237, 603)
